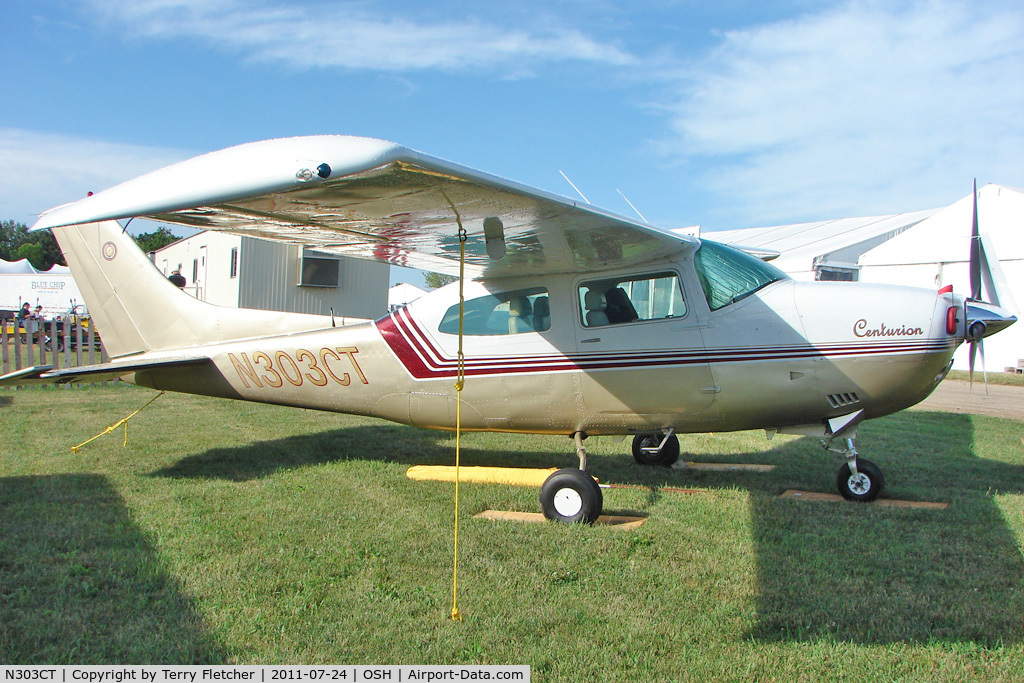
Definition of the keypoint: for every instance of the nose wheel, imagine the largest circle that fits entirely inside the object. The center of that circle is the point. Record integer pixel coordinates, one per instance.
(858, 480)
(862, 484)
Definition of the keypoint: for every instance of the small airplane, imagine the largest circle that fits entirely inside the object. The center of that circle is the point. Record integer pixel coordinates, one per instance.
(569, 320)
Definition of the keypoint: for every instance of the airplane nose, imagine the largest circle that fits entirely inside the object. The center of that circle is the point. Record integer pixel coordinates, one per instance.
(984, 320)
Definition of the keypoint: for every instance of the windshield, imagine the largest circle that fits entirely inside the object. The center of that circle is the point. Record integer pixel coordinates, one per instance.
(728, 275)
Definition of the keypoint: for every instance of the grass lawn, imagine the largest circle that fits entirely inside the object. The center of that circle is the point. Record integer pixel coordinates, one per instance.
(239, 533)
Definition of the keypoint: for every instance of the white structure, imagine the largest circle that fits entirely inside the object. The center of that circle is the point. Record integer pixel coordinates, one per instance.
(54, 289)
(247, 272)
(403, 293)
(824, 250)
(922, 249)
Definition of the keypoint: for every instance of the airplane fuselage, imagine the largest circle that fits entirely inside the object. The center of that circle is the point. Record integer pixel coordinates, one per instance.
(787, 354)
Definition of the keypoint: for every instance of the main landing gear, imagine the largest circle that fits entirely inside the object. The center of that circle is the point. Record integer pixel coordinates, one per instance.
(571, 495)
(660, 450)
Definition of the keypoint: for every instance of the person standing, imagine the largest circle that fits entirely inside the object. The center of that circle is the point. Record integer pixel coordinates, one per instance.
(34, 326)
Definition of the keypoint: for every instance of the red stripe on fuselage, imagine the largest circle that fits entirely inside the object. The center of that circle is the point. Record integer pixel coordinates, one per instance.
(424, 360)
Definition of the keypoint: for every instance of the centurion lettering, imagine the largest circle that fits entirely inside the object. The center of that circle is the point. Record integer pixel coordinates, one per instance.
(861, 329)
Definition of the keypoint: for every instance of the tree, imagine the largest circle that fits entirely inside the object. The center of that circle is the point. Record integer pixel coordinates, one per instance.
(32, 252)
(40, 247)
(11, 235)
(436, 280)
(158, 239)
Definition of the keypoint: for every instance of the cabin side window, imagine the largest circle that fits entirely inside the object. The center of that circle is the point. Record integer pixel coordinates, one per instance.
(631, 299)
(727, 275)
(516, 312)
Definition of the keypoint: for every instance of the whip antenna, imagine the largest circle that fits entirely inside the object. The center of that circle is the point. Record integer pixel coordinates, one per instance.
(584, 197)
(631, 205)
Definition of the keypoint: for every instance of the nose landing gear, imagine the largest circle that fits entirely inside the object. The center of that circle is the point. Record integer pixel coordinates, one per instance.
(858, 480)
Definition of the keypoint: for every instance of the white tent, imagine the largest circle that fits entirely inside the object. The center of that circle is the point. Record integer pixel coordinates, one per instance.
(403, 293)
(823, 249)
(923, 249)
(23, 267)
(935, 253)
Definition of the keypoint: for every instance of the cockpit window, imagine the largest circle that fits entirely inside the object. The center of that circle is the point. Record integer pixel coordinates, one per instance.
(516, 312)
(727, 275)
(631, 299)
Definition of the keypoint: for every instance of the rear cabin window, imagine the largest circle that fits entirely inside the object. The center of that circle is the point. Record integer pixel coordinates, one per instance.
(516, 312)
(727, 275)
(631, 299)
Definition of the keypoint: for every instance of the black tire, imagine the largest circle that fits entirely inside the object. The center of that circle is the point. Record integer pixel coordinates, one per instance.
(571, 495)
(666, 457)
(867, 486)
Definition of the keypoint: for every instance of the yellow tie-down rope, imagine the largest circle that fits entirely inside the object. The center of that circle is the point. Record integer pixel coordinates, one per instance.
(460, 381)
(124, 421)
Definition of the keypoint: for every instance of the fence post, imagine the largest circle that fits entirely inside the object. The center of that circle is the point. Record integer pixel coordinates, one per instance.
(4, 340)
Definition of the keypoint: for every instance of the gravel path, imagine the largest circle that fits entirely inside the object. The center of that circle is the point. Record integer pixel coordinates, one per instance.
(954, 396)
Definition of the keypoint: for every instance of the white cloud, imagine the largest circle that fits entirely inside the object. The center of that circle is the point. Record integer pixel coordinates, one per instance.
(858, 109)
(43, 170)
(346, 34)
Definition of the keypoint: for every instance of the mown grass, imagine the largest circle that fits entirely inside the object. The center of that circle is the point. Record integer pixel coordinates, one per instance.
(233, 532)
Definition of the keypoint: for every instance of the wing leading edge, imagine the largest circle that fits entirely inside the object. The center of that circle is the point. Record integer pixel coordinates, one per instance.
(373, 199)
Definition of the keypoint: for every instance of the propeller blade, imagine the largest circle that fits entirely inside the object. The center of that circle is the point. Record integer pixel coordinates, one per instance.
(975, 259)
(970, 364)
(981, 352)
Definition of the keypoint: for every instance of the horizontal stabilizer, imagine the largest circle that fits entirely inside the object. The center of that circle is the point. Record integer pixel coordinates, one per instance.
(44, 374)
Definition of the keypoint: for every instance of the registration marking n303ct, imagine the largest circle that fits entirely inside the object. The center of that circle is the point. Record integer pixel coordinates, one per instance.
(273, 369)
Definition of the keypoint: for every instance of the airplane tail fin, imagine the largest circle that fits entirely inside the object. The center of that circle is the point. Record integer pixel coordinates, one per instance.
(136, 309)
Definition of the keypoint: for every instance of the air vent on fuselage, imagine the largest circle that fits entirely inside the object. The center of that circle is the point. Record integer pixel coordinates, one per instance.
(842, 400)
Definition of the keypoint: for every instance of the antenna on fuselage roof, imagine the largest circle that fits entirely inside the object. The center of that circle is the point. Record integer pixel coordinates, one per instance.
(631, 205)
(583, 196)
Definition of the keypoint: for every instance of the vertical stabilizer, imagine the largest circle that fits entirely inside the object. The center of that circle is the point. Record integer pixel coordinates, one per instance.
(136, 309)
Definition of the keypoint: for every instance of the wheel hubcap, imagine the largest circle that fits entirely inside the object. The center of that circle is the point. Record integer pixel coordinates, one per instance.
(859, 484)
(568, 502)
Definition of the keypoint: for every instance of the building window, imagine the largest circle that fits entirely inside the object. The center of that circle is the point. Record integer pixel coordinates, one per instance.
(319, 271)
(832, 274)
(234, 262)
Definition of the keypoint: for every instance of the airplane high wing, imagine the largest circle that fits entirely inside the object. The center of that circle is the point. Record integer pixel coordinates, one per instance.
(575, 322)
(375, 199)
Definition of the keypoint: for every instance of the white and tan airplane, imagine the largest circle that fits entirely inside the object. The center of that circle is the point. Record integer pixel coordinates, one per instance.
(575, 321)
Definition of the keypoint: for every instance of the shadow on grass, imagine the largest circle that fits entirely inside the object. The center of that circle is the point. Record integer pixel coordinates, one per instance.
(825, 571)
(871, 574)
(381, 443)
(80, 584)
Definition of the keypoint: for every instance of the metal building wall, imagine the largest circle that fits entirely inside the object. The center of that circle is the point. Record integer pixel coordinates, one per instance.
(269, 276)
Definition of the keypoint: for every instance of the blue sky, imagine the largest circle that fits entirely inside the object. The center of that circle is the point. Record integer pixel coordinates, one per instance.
(726, 114)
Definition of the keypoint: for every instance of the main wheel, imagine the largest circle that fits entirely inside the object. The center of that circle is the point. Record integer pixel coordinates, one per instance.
(571, 495)
(864, 487)
(666, 457)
